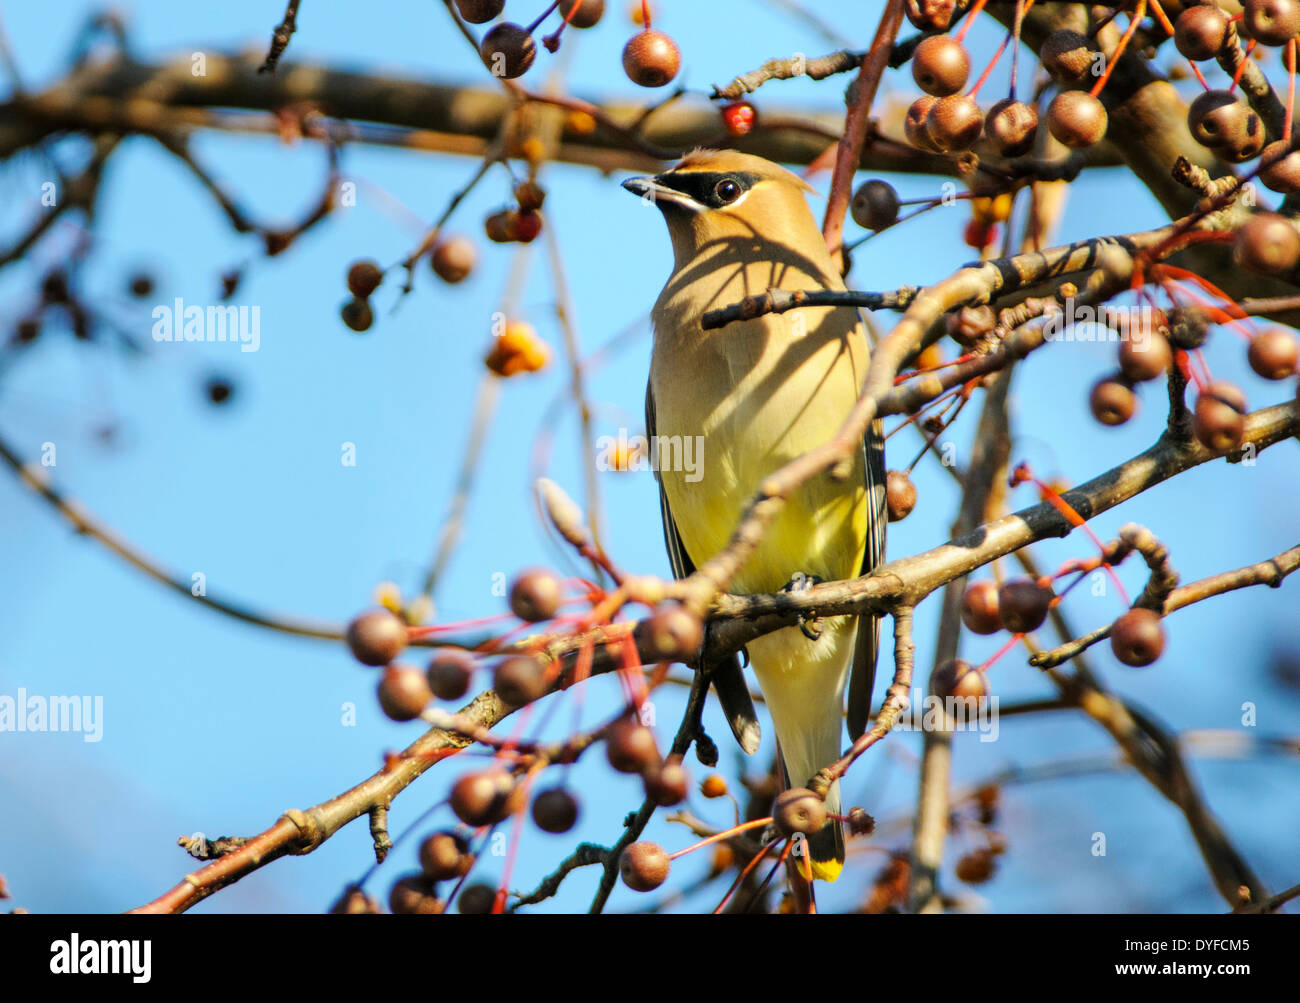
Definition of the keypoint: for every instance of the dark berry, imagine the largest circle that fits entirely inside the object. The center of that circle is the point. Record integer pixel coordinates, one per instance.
(940, 65)
(643, 866)
(376, 637)
(404, 692)
(1137, 638)
(364, 278)
(555, 810)
(520, 680)
(536, 595)
(900, 494)
(979, 608)
(651, 58)
(449, 673)
(798, 810)
(1023, 604)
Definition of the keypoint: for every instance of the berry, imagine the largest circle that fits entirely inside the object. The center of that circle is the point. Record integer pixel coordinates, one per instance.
(364, 278)
(954, 123)
(930, 15)
(1280, 168)
(355, 902)
(414, 895)
(449, 673)
(874, 205)
(1076, 119)
(976, 867)
(1145, 358)
(527, 226)
(900, 494)
(477, 899)
(485, 797)
(1218, 419)
(404, 692)
(54, 287)
(555, 810)
(979, 608)
(643, 866)
(480, 11)
(517, 350)
(1201, 32)
(739, 118)
(218, 389)
(1268, 243)
(520, 680)
(1068, 56)
(376, 637)
(453, 259)
(1023, 604)
(651, 58)
(507, 50)
(529, 196)
(589, 12)
(445, 856)
(673, 633)
(1137, 637)
(914, 123)
(1112, 402)
(356, 314)
(1219, 121)
(667, 785)
(714, 786)
(630, 746)
(141, 285)
(1271, 22)
(940, 65)
(798, 810)
(958, 679)
(536, 595)
(1012, 126)
(1273, 354)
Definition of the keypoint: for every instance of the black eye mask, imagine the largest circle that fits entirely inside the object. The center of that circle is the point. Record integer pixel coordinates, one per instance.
(702, 187)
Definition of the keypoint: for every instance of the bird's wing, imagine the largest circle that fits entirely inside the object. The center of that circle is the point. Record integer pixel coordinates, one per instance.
(865, 649)
(727, 676)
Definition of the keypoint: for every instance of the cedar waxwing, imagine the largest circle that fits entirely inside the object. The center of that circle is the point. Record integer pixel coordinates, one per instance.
(759, 393)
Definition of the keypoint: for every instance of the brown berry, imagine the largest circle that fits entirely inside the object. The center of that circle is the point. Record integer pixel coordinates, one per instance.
(798, 810)
(355, 902)
(507, 50)
(356, 314)
(1023, 604)
(445, 856)
(364, 278)
(453, 259)
(478, 899)
(651, 58)
(1201, 33)
(480, 11)
(1137, 638)
(644, 866)
(930, 15)
(714, 786)
(376, 637)
(587, 15)
(1076, 119)
(860, 823)
(500, 227)
(1268, 243)
(1012, 126)
(1212, 114)
(449, 673)
(667, 785)
(1145, 358)
(1218, 419)
(485, 797)
(1271, 22)
(630, 746)
(900, 494)
(874, 205)
(1068, 56)
(1273, 354)
(404, 692)
(520, 680)
(958, 679)
(1112, 402)
(555, 810)
(536, 595)
(414, 895)
(218, 389)
(529, 196)
(673, 633)
(1280, 168)
(914, 123)
(141, 285)
(979, 608)
(954, 123)
(940, 65)
(527, 225)
(976, 867)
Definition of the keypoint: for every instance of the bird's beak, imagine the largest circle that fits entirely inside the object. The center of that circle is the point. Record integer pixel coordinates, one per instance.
(652, 190)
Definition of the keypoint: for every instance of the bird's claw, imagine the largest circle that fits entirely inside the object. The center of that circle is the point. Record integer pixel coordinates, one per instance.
(800, 582)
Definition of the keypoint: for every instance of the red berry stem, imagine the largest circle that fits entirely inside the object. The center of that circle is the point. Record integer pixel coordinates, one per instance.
(717, 837)
(970, 19)
(740, 878)
(989, 69)
(1021, 10)
(1134, 20)
(1290, 90)
(645, 14)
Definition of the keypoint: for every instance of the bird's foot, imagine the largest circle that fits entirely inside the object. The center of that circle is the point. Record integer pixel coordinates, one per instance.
(800, 582)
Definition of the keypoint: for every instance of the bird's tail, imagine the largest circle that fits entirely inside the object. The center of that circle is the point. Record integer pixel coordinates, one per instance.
(826, 848)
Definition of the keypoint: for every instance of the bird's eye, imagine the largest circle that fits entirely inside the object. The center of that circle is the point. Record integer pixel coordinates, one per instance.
(727, 191)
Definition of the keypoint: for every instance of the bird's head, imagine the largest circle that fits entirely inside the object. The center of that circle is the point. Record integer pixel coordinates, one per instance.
(714, 196)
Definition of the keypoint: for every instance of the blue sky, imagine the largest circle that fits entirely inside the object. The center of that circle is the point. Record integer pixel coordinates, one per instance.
(215, 727)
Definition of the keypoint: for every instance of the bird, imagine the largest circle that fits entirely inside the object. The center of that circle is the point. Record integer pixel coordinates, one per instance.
(758, 393)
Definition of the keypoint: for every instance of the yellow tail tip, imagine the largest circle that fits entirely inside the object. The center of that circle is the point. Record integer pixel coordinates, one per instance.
(826, 870)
